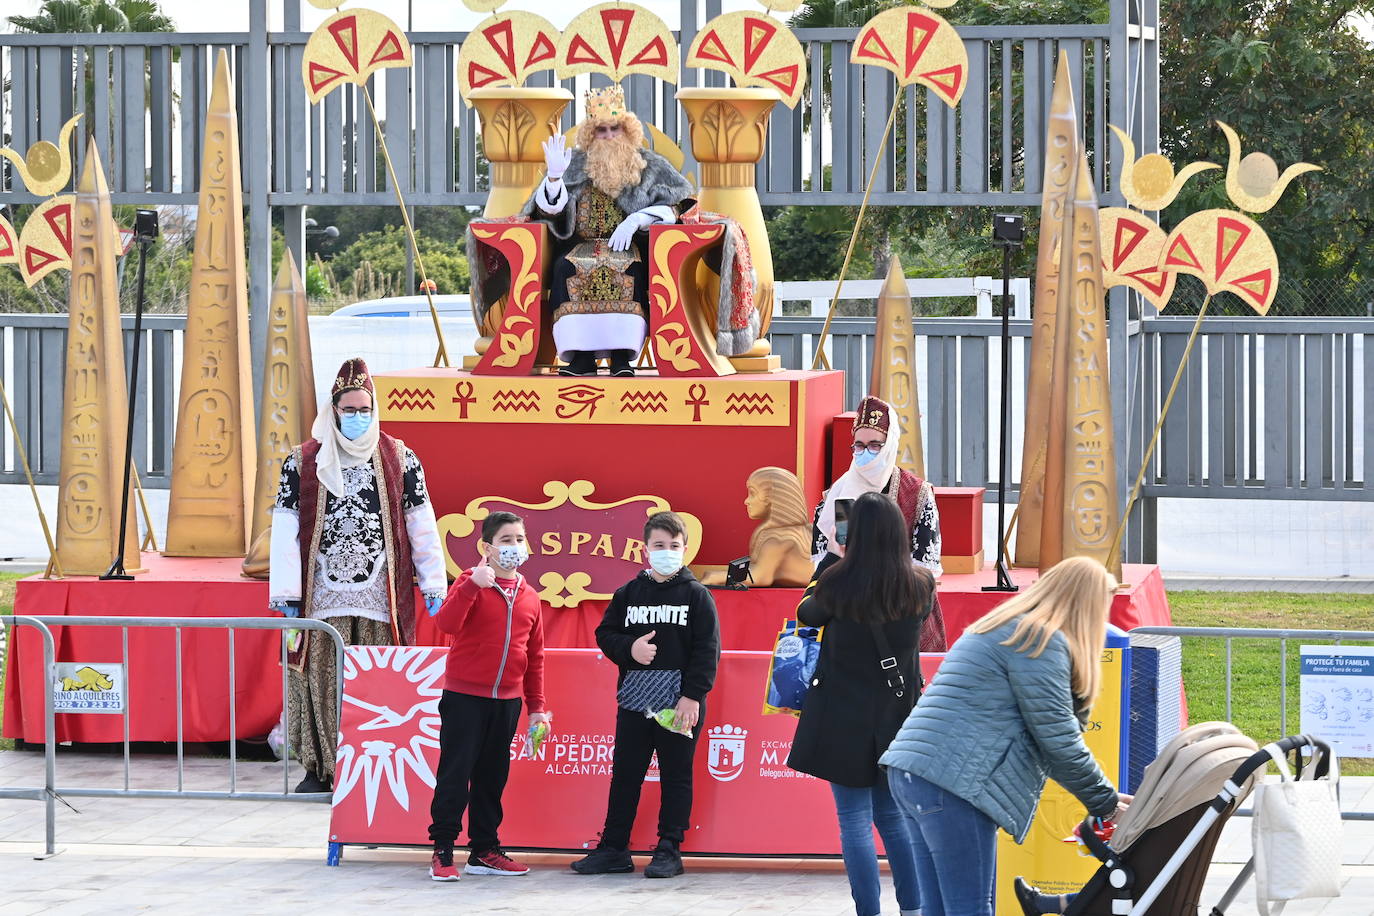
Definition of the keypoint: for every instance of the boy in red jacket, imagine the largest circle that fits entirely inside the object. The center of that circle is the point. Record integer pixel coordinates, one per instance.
(489, 606)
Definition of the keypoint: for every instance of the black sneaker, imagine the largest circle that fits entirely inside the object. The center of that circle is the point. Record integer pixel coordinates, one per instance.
(312, 783)
(667, 862)
(605, 860)
(620, 363)
(583, 363)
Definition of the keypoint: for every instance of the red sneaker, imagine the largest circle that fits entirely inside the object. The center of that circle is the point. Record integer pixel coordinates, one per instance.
(495, 862)
(441, 867)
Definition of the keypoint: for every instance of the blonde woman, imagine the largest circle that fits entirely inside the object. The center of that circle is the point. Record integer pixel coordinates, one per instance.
(1005, 711)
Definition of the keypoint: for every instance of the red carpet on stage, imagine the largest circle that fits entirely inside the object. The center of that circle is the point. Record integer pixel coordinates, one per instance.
(186, 587)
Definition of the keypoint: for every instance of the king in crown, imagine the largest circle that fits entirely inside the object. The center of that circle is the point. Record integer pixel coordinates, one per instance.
(599, 199)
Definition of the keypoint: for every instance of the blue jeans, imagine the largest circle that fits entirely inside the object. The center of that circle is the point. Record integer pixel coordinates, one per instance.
(859, 811)
(955, 846)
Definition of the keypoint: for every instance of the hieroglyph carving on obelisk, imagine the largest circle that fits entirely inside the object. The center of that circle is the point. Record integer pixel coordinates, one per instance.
(95, 402)
(894, 366)
(213, 459)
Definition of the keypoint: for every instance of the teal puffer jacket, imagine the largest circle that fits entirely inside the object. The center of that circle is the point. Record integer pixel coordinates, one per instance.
(993, 724)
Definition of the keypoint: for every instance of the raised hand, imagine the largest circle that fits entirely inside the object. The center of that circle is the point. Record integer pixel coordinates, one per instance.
(557, 156)
(643, 650)
(483, 576)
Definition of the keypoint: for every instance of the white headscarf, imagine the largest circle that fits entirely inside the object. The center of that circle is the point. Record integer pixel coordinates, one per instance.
(337, 451)
(855, 482)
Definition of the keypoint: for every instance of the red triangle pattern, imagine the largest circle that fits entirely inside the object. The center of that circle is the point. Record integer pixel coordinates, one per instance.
(479, 76)
(871, 45)
(389, 49)
(59, 219)
(321, 76)
(920, 29)
(1157, 286)
(501, 37)
(655, 53)
(34, 259)
(947, 81)
(784, 78)
(1128, 237)
(1227, 225)
(1180, 254)
(712, 48)
(6, 243)
(758, 32)
(1257, 285)
(579, 52)
(543, 49)
(616, 23)
(345, 33)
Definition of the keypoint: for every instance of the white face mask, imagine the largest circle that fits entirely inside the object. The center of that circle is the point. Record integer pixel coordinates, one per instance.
(511, 556)
(665, 562)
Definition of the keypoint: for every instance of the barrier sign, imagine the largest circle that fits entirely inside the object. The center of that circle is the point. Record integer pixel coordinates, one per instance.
(88, 687)
(1337, 686)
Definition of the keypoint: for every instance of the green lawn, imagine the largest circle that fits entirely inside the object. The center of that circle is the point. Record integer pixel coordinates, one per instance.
(7, 581)
(1256, 663)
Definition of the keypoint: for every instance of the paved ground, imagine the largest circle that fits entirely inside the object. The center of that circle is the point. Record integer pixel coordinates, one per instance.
(140, 855)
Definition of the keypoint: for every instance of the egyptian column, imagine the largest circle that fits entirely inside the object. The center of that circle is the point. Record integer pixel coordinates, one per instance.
(285, 422)
(1061, 159)
(894, 366)
(213, 462)
(95, 403)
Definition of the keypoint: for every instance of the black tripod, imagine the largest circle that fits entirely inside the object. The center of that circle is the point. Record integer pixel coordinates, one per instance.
(1008, 233)
(145, 232)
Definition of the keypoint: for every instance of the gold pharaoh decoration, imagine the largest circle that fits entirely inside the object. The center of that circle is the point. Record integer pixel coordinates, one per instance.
(894, 366)
(1061, 158)
(285, 423)
(504, 50)
(754, 50)
(1149, 183)
(1089, 506)
(618, 39)
(212, 459)
(95, 405)
(1254, 183)
(48, 166)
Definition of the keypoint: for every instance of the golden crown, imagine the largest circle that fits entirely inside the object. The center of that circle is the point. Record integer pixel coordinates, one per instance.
(606, 104)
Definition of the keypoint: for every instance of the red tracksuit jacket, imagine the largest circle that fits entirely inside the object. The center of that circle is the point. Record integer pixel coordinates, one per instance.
(498, 648)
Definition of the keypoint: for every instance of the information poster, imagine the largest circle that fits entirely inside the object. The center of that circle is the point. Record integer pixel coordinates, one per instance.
(1337, 684)
(83, 687)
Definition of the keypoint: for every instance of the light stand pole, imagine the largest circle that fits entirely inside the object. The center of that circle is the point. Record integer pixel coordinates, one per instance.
(1008, 232)
(145, 231)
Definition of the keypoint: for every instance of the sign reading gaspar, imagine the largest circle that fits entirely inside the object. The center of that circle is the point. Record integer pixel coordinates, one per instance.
(88, 687)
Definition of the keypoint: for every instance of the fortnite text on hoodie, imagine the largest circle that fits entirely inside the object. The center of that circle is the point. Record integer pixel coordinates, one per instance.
(659, 613)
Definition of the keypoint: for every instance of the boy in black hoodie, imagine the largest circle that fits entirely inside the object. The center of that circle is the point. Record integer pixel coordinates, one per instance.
(661, 629)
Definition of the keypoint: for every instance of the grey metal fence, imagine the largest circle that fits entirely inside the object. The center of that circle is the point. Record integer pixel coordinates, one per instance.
(50, 792)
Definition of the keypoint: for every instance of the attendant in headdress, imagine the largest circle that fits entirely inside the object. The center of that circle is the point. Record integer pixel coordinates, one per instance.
(352, 528)
(874, 469)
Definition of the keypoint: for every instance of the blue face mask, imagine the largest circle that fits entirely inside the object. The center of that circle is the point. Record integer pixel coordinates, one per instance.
(354, 426)
(665, 562)
(864, 457)
(842, 532)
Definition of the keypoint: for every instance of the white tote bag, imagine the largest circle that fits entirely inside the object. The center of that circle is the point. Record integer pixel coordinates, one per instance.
(1297, 835)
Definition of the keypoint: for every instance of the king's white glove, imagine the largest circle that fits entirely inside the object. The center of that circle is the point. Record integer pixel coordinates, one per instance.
(557, 156)
(625, 232)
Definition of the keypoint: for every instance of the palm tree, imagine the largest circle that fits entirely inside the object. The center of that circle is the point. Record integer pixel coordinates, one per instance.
(95, 16)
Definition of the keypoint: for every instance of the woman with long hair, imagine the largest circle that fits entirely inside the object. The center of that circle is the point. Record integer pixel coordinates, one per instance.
(872, 602)
(1005, 711)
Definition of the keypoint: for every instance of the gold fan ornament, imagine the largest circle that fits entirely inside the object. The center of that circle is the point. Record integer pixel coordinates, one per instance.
(755, 51)
(45, 242)
(349, 47)
(484, 6)
(618, 39)
(1132, 247)
(1149, 183)
(918, 46)
(48, 166)
(504, 50)
(785, 6)
(1254, 183)
(9, 242)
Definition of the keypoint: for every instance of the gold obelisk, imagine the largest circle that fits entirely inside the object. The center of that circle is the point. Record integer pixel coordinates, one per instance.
(305, 360)
(285, 423)
(95, 402)
(212, 461)
(1089, 507)
(1061, 161)
(894, 366)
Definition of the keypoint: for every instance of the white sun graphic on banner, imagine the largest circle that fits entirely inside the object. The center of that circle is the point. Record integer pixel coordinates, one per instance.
(402, 701)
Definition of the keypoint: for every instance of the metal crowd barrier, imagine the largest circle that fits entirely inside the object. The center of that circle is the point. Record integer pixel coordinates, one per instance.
(1229, 634)
(49, 793)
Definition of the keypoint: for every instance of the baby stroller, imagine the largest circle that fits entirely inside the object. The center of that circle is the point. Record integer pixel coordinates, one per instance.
(1157, 859)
